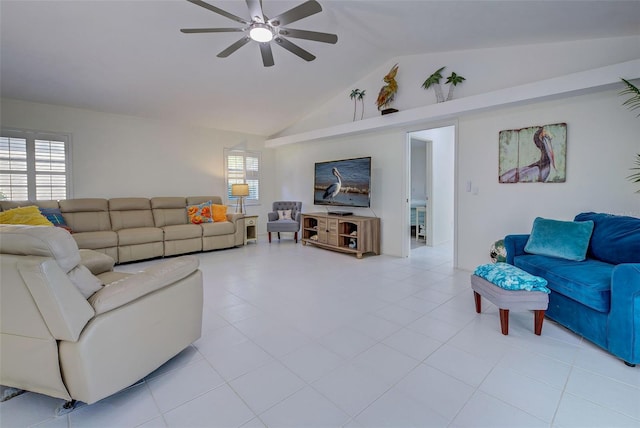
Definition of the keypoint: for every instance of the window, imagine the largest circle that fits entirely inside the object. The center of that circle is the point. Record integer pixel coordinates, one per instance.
(243, 167)
(34, 165)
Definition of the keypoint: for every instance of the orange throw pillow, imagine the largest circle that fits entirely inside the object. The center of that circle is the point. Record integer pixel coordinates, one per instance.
(219, 213)
(200, 213)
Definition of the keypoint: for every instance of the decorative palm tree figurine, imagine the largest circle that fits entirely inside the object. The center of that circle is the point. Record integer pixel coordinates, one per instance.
(434, 80)
(453, 80)
(355, 94)
(361, 99)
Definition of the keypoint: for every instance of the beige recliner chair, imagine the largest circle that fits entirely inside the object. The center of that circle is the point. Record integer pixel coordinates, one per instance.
(65, 334)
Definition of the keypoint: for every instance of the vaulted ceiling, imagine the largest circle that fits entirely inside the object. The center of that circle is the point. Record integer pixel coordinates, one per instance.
(129, 57)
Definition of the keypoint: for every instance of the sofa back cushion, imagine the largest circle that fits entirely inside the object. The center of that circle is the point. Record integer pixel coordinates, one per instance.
(197, 200)
(129, 213)
(169, 211)
(7, 205)
(615, 239)
(86, 214)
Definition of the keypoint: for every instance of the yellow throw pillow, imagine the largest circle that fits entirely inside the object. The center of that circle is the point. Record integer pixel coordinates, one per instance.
(24, 215)
(219, 213)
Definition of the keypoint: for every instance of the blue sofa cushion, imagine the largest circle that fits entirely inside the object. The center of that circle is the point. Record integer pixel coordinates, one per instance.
(615, 239)
(564, 239)
(587, 282)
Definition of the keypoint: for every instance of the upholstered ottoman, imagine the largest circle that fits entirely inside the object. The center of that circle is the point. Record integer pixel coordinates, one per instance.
(510, 299)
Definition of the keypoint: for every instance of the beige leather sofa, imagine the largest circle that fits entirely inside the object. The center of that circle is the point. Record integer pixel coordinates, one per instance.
(130, 229)
(65, 334)
(138, 237)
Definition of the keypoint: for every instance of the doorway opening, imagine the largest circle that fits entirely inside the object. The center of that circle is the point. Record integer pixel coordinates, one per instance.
(431, 191)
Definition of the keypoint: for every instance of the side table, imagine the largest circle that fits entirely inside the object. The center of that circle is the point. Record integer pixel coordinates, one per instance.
(250, 229)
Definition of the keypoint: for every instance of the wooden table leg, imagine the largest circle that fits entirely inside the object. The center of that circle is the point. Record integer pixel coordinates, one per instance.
(538, 317)
(478, 299)
(504, 321)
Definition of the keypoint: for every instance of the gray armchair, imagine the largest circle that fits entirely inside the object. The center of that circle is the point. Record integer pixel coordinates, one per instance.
(277, 224)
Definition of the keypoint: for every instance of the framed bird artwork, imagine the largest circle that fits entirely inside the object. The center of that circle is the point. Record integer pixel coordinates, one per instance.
(537, 154)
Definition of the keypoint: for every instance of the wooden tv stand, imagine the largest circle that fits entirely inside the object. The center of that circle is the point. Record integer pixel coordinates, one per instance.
(351, 234)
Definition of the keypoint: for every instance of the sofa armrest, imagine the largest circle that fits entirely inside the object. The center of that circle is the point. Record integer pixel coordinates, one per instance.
(514, 246)
(272, 216)
(96, 261)
(623, 316)
(128, 289)
(118, 347)
(234, 217)
(62, 307)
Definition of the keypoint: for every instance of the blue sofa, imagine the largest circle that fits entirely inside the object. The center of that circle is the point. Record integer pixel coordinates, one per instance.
(599, 297)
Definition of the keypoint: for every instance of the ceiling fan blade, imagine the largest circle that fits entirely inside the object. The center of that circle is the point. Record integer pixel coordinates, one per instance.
(255, 10)
(210, 30)
(219, 11)
(234, 47)
(295, 49)
(308, 8)
(267, 54)
(309, 35)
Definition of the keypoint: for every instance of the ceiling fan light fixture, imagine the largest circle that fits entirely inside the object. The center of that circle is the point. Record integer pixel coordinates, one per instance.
(261, 33)
(263, 30)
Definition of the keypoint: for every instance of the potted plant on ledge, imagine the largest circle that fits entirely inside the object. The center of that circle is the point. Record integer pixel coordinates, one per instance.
(434, 80)
(633, 103)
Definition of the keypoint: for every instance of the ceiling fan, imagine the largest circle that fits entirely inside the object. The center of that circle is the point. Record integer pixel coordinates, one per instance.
(264, 30)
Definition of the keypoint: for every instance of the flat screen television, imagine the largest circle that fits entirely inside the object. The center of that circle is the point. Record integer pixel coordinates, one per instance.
(343, 183)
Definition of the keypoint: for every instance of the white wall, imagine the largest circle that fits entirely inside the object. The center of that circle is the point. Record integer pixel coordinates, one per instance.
(440, 207)
(119, 156)
(485, 70)
(128, 156)
(602, 139)
(418, 169)
(295, 167)
(442, 198)
(596, 177)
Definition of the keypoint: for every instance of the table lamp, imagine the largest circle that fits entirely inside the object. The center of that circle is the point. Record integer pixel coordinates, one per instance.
(240, 191)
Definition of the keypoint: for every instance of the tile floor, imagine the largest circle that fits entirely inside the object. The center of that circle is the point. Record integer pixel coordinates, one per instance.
(297, 336)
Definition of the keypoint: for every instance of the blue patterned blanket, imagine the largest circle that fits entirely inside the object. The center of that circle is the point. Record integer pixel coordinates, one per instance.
(510, 277)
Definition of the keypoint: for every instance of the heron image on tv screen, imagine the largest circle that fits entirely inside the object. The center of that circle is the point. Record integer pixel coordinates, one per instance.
(343, 183)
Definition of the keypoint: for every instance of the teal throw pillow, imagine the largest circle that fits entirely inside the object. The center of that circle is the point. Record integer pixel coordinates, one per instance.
(55, 217)
(563, 239)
